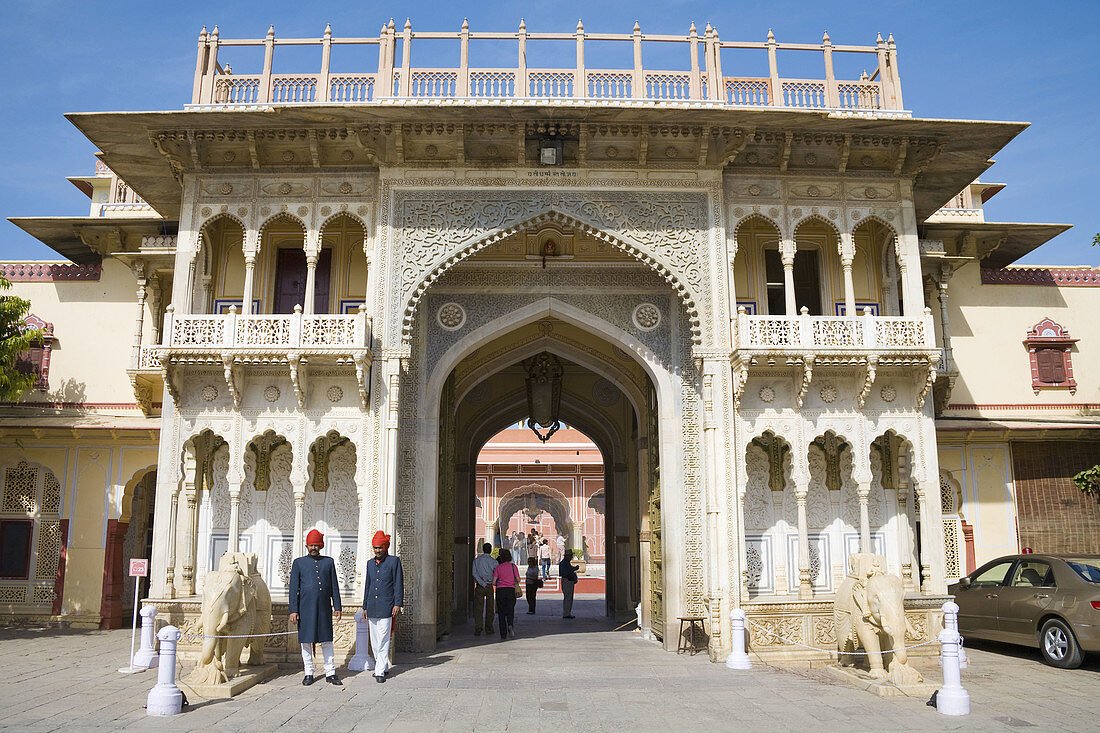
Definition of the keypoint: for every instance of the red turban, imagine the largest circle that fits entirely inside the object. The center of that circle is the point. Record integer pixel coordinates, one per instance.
(381, 539)
(315, 538)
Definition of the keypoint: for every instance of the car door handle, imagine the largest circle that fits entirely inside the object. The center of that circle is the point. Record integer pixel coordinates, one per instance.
(1042, 595)
(990, 595)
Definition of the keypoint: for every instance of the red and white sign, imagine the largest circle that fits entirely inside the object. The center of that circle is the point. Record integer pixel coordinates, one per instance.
(139, 568)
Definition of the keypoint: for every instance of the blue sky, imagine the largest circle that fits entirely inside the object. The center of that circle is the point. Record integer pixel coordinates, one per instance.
(1010, 60)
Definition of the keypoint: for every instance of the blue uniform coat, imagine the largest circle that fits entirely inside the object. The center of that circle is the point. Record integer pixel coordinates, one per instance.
(314, 595)
(385, 587)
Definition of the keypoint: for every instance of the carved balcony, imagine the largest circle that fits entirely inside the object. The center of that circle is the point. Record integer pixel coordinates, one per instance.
(867, 343)
(237, 342)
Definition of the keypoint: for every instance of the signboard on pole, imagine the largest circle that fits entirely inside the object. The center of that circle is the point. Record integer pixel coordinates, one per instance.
(139, 568)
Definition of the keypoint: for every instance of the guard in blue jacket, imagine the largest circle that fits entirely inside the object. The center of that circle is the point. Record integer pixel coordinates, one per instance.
(314, 604)
(382, 600)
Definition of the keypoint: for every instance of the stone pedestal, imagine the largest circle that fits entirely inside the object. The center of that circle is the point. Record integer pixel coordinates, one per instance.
(249, 677)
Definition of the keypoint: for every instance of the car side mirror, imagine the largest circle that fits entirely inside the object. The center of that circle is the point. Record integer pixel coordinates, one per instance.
(964, 583)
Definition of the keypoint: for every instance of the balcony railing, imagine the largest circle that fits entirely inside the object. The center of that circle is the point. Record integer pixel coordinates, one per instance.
(702, 80)
(266, 332)
(827, 333)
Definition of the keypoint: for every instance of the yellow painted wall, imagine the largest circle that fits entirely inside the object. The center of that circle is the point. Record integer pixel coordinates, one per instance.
(89, 318)
(984, 473)
(988, 325)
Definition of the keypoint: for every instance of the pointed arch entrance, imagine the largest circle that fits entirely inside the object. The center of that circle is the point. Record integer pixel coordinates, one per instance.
(626, 336)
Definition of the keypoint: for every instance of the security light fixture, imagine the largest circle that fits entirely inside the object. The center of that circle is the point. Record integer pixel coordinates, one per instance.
(544, 372)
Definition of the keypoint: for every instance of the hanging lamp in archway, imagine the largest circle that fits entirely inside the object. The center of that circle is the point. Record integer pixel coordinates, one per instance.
(544, 373)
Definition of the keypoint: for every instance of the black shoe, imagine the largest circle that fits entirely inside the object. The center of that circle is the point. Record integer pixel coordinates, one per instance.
(334, 680)
(308, 680)
(569, 616)
(380, 678)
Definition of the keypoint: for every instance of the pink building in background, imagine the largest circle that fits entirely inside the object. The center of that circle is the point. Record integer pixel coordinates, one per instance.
(555, 488)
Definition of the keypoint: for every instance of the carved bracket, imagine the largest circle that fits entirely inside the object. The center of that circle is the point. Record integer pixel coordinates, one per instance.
(868, 380)
(929, 379)
(169, 382)
(362, 378)
(807, 375)
(298, 378)
(232, 374)
(740, 377)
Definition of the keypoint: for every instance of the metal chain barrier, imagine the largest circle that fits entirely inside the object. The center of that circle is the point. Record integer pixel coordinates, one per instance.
(774, 635)
(192, 637)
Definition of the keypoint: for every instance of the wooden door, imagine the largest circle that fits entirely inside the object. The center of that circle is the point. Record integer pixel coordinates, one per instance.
(290, 280)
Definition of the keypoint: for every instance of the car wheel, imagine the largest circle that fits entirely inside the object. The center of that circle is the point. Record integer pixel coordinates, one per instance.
(1058, 645)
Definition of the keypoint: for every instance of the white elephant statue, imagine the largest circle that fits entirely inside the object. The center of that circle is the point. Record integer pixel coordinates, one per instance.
(870, 612)
(236, 604)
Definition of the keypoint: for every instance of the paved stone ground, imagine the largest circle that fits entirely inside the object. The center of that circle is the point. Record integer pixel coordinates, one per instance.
(556, 676)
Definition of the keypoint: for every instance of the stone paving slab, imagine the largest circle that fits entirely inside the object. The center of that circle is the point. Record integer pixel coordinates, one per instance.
(557, 675)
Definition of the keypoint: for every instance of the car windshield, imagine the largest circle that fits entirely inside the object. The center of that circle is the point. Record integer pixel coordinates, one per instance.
(1089, 570)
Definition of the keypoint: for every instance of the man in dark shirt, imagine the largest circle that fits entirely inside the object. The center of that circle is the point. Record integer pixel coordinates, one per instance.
(382, 600)
(314, 603)
(568, 574)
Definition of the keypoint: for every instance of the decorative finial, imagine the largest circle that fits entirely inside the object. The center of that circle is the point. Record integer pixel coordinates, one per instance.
(465, 24)
(214, 33)
(391, 24)
(328, 30)
(202, 34)
(825, 38)
(890, 39)
(522, 25)
(708, 29)
(637, 28)
(271, 31)
(771, 36)
(580, 26)
(692, 30)
(879, 39)
(863, 75)
(408, 24)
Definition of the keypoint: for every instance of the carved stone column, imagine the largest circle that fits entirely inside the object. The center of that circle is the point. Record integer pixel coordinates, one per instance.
(249, 273)
(905, 534)
(393, 416)
(863, 490)
(312, 248)
(926, 530)
(946, 271)
(786, 251)
(154, 307)
(170, 569)
(234, 520)
(299, 544)
(191, 483)
(139, 321)
(847, 255)
(805, 582)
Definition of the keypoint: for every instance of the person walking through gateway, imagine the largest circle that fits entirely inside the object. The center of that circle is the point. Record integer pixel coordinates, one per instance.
(382, 600)
(506, 579)
(533, 583)
(484, 608)
(567, 572)
(544, 558)
(314, 604)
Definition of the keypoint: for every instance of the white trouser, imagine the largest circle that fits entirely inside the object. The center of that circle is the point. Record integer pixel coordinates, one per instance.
(326, 652)
(379, 658)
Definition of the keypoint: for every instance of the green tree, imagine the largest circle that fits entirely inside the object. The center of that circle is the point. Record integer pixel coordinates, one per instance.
(15, 339)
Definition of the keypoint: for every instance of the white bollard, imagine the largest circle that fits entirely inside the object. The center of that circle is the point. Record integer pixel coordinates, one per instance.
(738, 658)
(362, 659)
(165, 698)
(952, 622)
(638, 616)
(146, 657)
(951, 699)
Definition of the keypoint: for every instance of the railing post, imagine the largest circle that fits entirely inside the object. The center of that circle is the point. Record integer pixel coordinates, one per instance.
(200, 69)
(360, 337)
(832, 96)
(870, 333)
(406, 59)
(637, 82)
(580, 84)
(738, 658)
(885, 79)
(326, 60)
(210, 75)
(695, 86)
(146, 657)
(229, 338)
(383, 86)
(895, 75)
(742, 327)
(715, 85)
(269, 57)
(929, 329)
(296, 328)
(523, 86)
(165, 698)
(805, 329)
(773, 72)
(167, 333)
(951, 699)
(462, 86)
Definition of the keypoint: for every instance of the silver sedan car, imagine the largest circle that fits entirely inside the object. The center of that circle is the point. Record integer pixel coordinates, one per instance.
(1047, 601)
